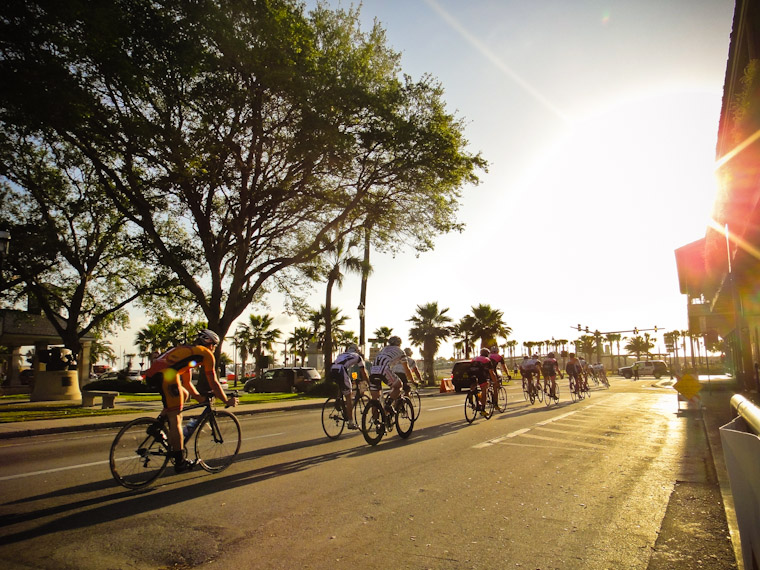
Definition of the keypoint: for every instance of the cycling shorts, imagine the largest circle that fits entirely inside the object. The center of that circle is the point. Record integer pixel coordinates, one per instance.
(173, 394)
(376, 380)
(340, 376)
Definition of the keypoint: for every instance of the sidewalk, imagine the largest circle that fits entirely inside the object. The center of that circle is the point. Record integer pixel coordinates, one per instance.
(63, 425)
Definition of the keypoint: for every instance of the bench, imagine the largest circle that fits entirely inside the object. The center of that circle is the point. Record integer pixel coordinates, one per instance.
(88, 398)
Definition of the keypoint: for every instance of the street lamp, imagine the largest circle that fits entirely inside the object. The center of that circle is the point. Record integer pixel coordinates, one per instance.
(5, 244)
(361, 308)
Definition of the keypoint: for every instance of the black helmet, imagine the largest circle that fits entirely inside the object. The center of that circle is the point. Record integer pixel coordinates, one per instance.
(484, 352)
(394, 341)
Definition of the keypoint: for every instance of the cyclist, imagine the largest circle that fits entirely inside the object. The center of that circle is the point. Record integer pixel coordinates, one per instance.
(482, 372)
(339, 372)
(585, 369)
(382, 370)
(574, 371)
(399, 371)
(550, 369)
(171, 374)
(497, 360)
(529, 369)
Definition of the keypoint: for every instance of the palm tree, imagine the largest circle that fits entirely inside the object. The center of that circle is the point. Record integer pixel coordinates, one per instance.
(164, 333)
(102, 350)
(511, 344)
(299, 342)
(259, 336)
(339, 258)
(637, 345)
(614, 337)
(430, 326)
(463, 330)
(382, 335)
(489, 324)
(586, 344)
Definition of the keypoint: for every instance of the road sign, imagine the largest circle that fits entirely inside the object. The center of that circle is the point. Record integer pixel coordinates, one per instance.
(688, 386)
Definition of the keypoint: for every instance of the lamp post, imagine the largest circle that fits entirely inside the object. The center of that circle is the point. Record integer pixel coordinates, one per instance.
(5, 243)
(361, 308)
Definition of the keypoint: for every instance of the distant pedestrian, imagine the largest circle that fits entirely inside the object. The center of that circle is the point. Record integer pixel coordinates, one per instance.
(635, 370)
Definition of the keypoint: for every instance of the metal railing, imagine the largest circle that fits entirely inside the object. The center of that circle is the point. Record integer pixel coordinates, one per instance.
(749, 412)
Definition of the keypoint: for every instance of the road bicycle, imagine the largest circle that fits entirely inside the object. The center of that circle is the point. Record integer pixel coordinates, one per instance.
(334, 414)
(532, 389)
(141, 450)
(472, 405)
(551, 397)
(576, 388)
(414, 397)
(499, 397)
(379, 419)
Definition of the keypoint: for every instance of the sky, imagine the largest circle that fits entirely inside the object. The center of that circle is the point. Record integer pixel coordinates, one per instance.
(599, 122)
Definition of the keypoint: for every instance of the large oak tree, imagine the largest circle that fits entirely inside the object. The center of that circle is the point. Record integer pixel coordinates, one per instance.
(235, 136)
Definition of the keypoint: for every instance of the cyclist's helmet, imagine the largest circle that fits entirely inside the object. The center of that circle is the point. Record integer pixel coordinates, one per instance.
(408, 351)
(207, 336)
(550, 355)
(494, 349)
(484, 352)
(352, 348)
(394, 341)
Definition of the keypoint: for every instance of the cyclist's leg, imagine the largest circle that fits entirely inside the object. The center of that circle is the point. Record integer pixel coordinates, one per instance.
(174, 396)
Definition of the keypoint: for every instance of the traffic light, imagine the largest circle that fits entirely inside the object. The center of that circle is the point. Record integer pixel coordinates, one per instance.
(579, 327)
(655, 328)
(586, 329)
(635, 330)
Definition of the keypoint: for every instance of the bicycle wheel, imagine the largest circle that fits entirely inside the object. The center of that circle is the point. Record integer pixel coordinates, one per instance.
(360, 403)
(333, 419)
(373, 422)
(525, 390)
(539, 391)
(488, 412)
(556, 392)
(414, 398)
(471, 406)
(531, 393)
(405, 418)
(548, 400)
(217, 441)
(137, 458)
(573, 391)
(501, 399)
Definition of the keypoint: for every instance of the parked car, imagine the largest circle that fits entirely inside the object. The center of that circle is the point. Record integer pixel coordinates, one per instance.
(285, 379)
(459, 377)
(656, 368)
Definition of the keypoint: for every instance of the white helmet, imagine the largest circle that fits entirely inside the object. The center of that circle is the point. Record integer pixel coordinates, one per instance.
(207, 336)
(352, 348)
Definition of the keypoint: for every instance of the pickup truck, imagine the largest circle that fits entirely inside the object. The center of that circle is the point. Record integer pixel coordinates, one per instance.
(656, 368)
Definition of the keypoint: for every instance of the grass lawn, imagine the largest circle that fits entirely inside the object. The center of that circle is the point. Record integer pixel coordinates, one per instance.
(18, 408)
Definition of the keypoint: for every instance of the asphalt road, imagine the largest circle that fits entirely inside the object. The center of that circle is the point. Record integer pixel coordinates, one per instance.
(594, 484)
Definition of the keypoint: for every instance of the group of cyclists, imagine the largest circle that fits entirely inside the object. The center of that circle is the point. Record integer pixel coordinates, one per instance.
(170, 373)
(577, 369)
(392, 365)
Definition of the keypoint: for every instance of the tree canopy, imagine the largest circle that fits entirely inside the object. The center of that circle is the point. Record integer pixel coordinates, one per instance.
(234, 137)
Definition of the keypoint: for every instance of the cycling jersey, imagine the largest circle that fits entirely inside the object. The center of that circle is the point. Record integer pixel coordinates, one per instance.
(479, 367)
(382, 367)
(339, 369)
(496, 360)
(170, 373)
(549, 367)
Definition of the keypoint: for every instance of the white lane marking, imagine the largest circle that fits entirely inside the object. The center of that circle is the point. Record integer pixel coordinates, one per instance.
(459, 405)
(498, 440)
(105, 462)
